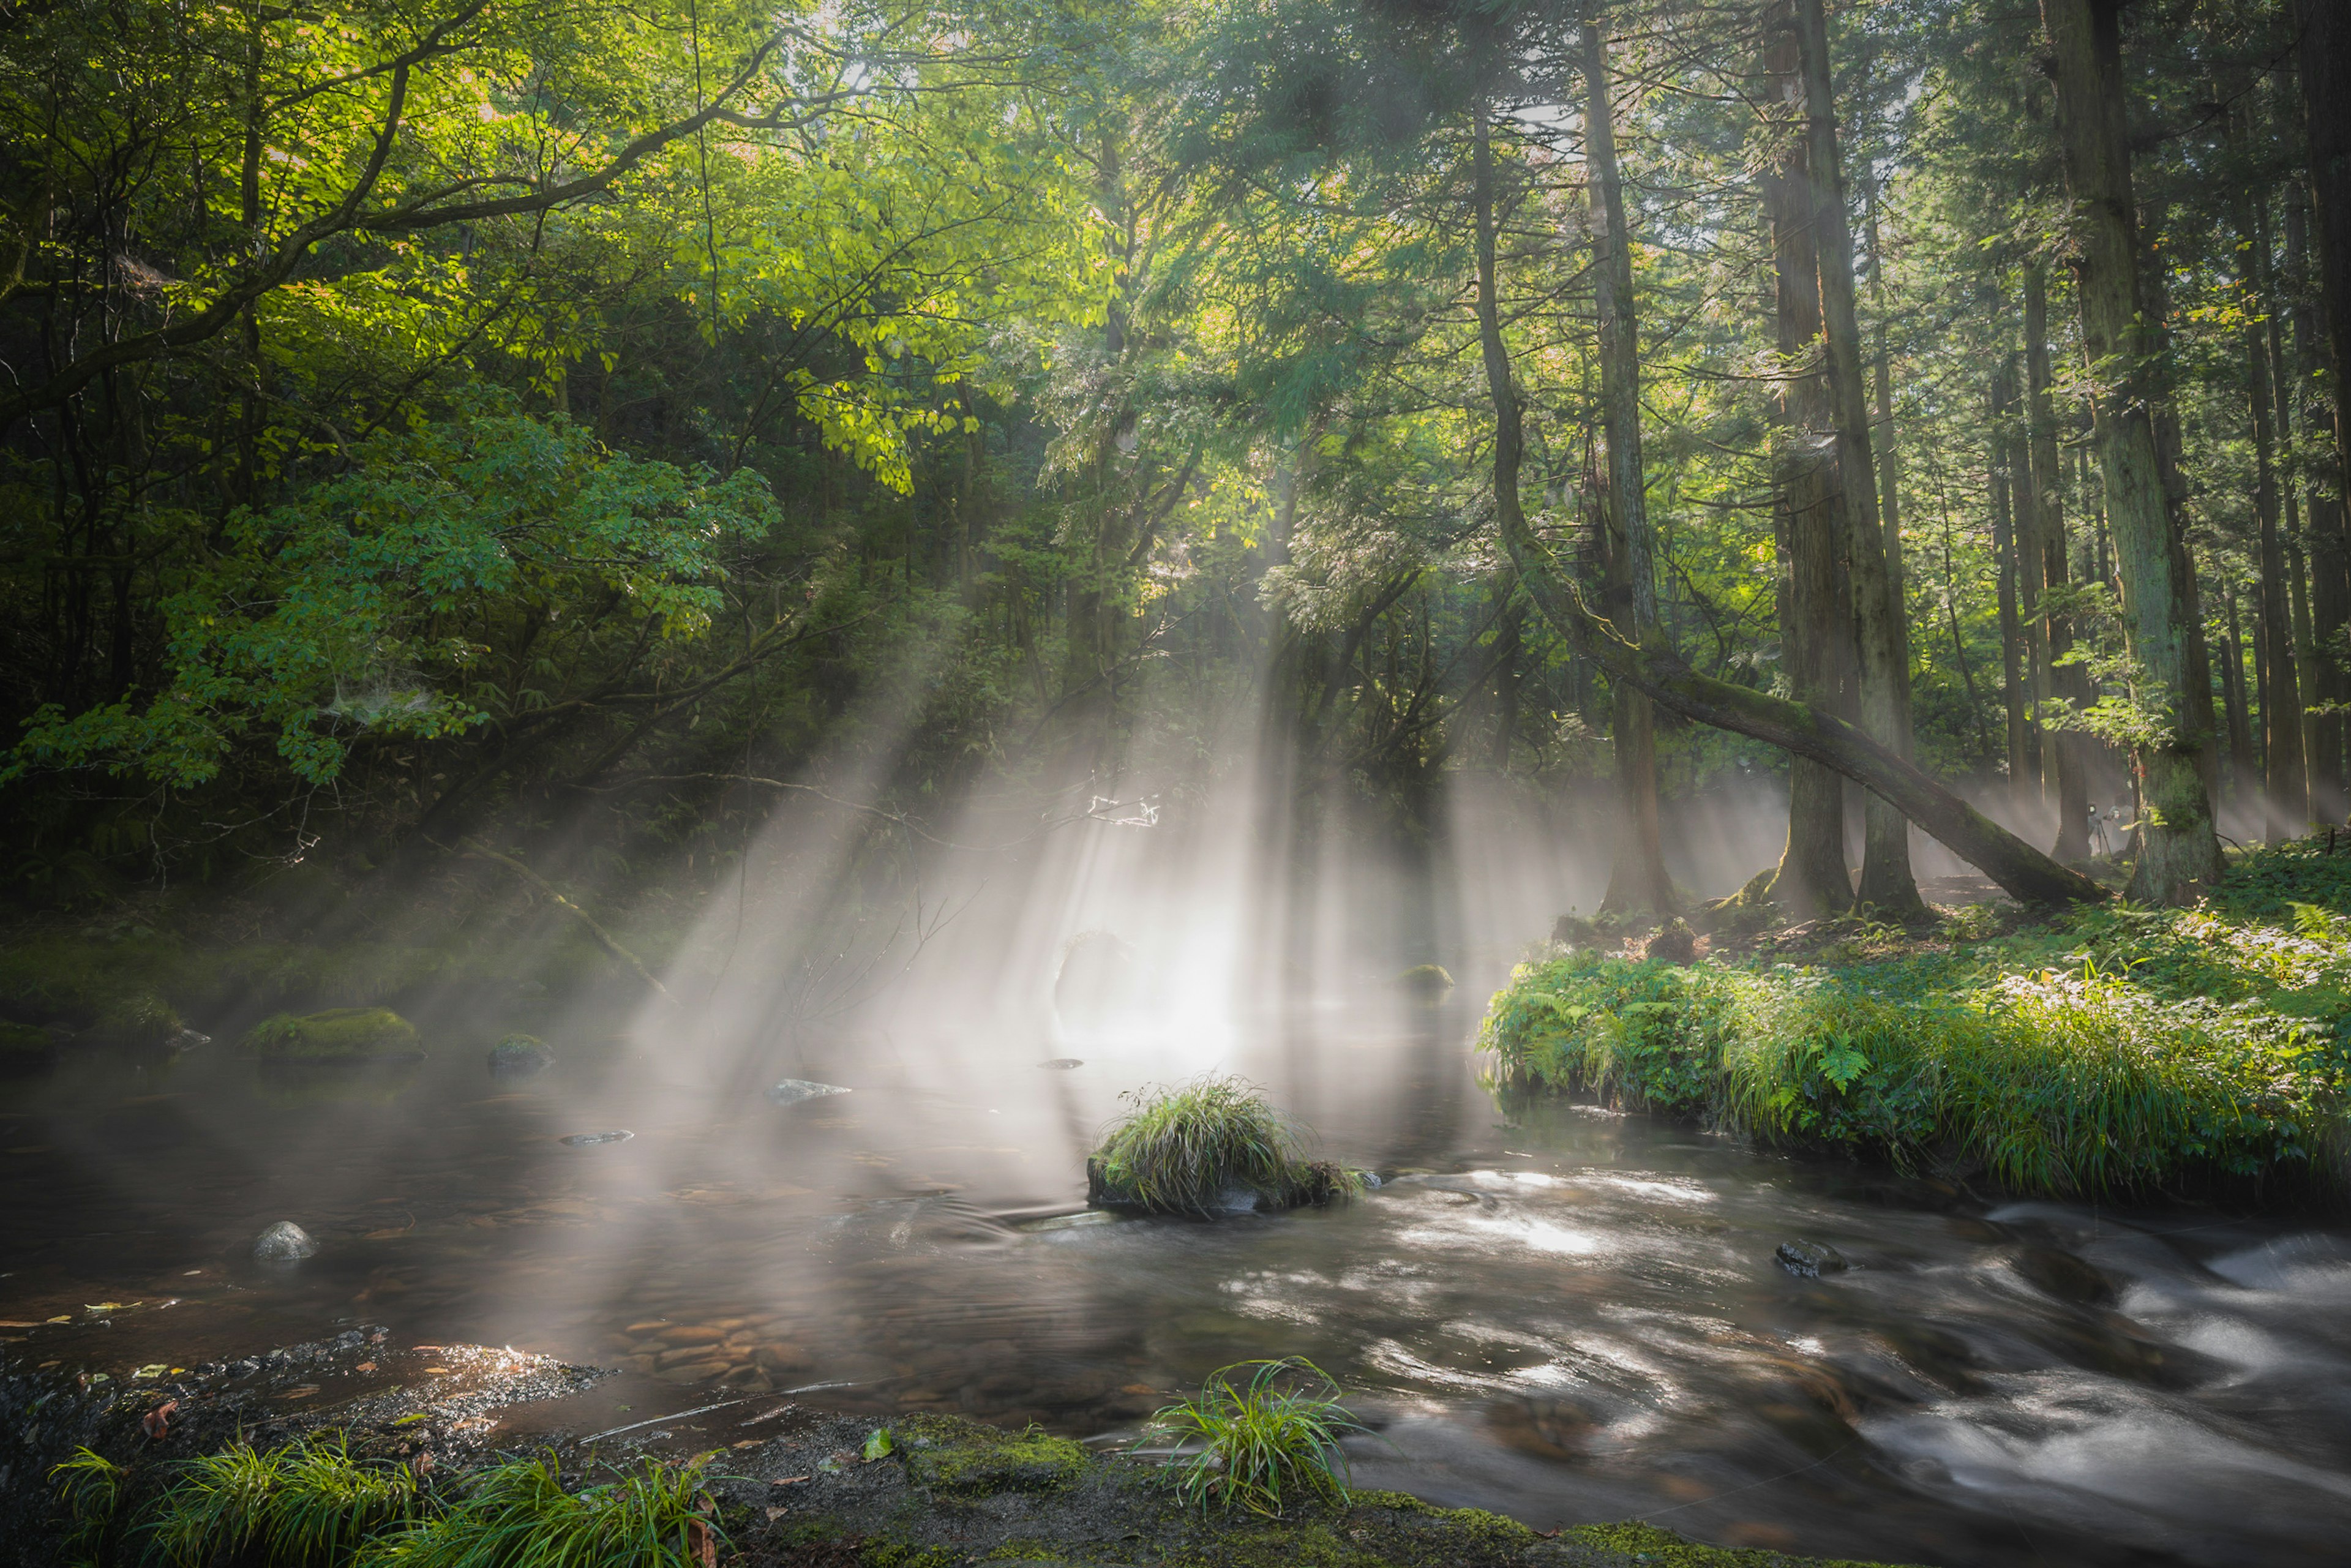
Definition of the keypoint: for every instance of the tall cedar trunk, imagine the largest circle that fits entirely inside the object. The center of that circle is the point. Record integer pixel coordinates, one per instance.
(2323, 62)
(2178, 851)
(2154, 281)
(1881, 634)
(1816, 620)
(1638, 882)
(2243, 773)
(2022, 870)
(2031, 571)
(2022, 787)
(2284, 785)
(2064, 752)
(2330, 560)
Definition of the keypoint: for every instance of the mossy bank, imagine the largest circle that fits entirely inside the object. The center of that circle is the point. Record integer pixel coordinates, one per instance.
(2107, 1052)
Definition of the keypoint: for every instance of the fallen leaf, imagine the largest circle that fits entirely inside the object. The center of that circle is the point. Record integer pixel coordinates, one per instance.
(152, 1369)
(17, 1325)
(304, 1392)
(436, 1369)
(749, 1443)
(701, 1542)
(62, 1318)
(108, 1306)
(775, 1513)
(787, 1480)
(157, 1423)
(364, 1366)
(45, 1365)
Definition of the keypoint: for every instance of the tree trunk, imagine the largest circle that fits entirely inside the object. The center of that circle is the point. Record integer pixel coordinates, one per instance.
(2064, 752)
(1816, 612)
(2284, 785)
(1638, 883)
(2323, 63)
(2030, 570)
(2022, 787)
(2178, 852)
(1881, 632)
(2242, 773)
(2330, 561)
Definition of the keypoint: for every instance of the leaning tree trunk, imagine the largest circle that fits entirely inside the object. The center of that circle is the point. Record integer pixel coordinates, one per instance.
(1639, 882)
(1881, 634)
(2178, 850)
(1817, 621)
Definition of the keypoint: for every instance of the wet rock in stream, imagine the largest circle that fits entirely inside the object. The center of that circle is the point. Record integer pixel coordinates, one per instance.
(284, 1242)
(1810, 1259)
(792, 1090)
(519, 1056)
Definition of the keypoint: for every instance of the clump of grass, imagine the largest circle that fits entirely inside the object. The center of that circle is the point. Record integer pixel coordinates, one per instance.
(1262, 1440)
(1182, 1150)
(90, 1488)
(337, 1034)
(517, 1514)
(307, 1502)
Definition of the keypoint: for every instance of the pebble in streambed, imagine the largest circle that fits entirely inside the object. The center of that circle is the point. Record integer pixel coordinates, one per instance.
(284, 1242)
(792, 1090)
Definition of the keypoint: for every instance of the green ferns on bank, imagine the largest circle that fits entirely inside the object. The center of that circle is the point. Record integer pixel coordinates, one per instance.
(310, 1504)
(2116, 1050)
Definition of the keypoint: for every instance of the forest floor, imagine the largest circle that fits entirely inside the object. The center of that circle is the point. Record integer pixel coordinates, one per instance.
(2102, 1050)
(786, 1485)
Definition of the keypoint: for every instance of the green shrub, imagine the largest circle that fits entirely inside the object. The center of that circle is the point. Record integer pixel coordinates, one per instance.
(341, 1033)
(1259, 1443)
(1182, 1150)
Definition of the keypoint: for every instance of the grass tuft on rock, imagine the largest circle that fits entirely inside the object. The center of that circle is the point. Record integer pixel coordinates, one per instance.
(1259, 1434)
(1201, 1147)
(307, 1502)
(2112, 1051)
(653, 1516)
(339, 1034)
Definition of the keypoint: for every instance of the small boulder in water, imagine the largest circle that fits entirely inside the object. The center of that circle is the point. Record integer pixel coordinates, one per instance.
(284, 1242)
(582, 1140)
(1426, 981)
(792, 1090)
(520, 1055)
(1810, 1259)
(338, 1034)
(1061, 1063)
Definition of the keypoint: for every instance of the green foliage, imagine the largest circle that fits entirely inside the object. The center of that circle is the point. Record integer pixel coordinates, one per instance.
(965, 1459)
(1182, 1150)
(517, 1514)
(362, 607)
(2121, 1050)
(304, 1505)
(1263, 1440)
(339, 1033)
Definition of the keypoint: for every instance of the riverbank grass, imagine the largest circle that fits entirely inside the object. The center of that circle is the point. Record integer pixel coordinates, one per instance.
(1208, 1147)
(2106, 1051)
(339, 1034)
(1259, 1434)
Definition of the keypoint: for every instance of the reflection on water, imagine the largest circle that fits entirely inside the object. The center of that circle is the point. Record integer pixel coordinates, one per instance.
(1554, 1312)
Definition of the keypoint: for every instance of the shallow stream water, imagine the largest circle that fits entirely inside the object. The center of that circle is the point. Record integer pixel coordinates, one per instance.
(1552, 1310)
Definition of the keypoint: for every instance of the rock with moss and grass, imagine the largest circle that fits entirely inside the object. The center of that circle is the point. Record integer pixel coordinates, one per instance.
(519, 1056)
(2110, 1050)
(1212, 1147)
(339, 1034)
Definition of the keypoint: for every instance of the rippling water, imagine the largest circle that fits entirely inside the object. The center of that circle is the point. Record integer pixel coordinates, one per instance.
(1552, 1310)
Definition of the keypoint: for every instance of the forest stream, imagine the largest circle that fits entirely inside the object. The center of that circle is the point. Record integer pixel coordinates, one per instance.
(1555, 1312)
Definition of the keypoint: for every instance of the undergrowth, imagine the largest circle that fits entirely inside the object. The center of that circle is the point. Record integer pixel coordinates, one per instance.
(1183, 1150)
(1261, 1442)
(310, 1504)
(2114, 1050)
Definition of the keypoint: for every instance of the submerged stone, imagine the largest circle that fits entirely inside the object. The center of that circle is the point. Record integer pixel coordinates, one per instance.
(284, 1242)
(792, 1090)
(583, 1140)
(1810, 1259)
(518, 1055)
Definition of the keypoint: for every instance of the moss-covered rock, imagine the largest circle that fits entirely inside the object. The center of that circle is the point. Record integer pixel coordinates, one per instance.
(339, 1034)
(24, 1048)
(965, 1459)
(518, 1055)
(1426, 981)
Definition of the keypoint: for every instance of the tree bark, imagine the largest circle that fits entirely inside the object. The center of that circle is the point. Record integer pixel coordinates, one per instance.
(1881, 632)
(1817, 617)
(2064, 752)
(2285, 789)
(1638, 883)
(2323, 63)
(2178, 852)
(2330, 559)
(2023, 788)
(2242, 772)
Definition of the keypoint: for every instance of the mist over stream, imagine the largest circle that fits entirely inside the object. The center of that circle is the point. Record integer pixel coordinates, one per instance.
(1546, 1308)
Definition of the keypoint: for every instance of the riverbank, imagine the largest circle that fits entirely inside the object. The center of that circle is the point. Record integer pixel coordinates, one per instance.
(411, 1460)
(2097, 1052)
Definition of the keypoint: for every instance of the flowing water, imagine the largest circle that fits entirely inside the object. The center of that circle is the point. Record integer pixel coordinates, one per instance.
(1552, 1310)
